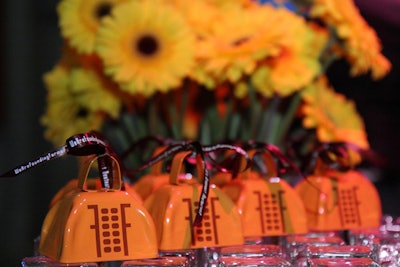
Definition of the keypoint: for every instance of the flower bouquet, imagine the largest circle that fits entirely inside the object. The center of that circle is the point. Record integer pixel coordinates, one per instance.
(209, 70)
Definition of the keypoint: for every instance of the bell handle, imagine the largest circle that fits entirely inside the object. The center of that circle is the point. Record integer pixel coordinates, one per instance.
(109, 171)
(177, 165)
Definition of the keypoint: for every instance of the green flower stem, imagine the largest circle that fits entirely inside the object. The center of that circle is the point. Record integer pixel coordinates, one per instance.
(124, 142)
(217, 124)
(270, 121)
(234, 127)
(217, 127)
(205, 131)
(288, 118)
(255, 116)
(121, 140)
(119, 134)
(135, 126)
(174, 118)
(227, 121)
(153, 118)
(273, 134)
(183, 107)
(326, 56)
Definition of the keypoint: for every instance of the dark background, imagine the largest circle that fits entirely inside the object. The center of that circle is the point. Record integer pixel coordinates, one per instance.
(30, 46)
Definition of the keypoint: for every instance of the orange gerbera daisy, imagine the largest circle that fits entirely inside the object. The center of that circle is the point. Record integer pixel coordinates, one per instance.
(362, 46)
(293, 61)
(334, 117)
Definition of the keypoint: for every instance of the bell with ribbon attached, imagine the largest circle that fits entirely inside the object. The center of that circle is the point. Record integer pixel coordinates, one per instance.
(150, 182)
(188, 215)
(92, 220)
(336, 195)
(268, 205)
(98, 225)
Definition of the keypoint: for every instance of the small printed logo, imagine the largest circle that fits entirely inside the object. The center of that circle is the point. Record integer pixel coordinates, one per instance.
(110, 228)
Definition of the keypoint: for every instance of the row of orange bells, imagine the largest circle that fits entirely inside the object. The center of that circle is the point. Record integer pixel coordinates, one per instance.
(88, 224)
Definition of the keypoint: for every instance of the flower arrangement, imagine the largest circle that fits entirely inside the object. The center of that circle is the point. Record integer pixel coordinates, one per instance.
(209, 70)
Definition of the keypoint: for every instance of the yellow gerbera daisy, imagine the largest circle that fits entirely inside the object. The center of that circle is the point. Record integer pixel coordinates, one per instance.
(362, 46)
(79, 21)
(200, 16)
(334, 117)
(91, 92)
(146, 46)
(64, 115)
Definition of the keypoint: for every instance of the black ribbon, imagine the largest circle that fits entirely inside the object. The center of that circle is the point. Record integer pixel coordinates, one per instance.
(232, 163)
(200, 152)
(233, 168)
(341, 161)
(172, 149)
(59, 152)
(285, 163)
(82, 144)
(206, 184)
(85, 144)
(142, 144)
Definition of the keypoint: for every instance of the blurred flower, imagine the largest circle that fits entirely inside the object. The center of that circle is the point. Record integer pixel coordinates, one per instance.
(361, 46)
(243, 44)
(334, 117)
(209, 70)
(80, 19)
(146, 47)
(65, 115)
(91, 93)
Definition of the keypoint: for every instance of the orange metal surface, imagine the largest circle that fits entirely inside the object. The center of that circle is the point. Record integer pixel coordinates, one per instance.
(268, 207)
(340, 201)
(174, 206)
(97, 225)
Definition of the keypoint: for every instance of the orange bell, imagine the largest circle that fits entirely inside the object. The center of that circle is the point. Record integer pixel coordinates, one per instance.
(98, 225)
(268, 206)
(150, 182)
(340, 201)
(91, 184)
(174, 206)
(337, 196)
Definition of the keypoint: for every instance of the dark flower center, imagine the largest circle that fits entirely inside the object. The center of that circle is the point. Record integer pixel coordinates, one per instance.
(103, 9)
(82, 112)
(147, 45)
(240, 41)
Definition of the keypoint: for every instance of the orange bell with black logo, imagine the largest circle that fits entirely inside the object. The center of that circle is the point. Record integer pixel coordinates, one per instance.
(174, 207)
(98, 225)
(337, 196)
(268, 205)
(340, 201)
